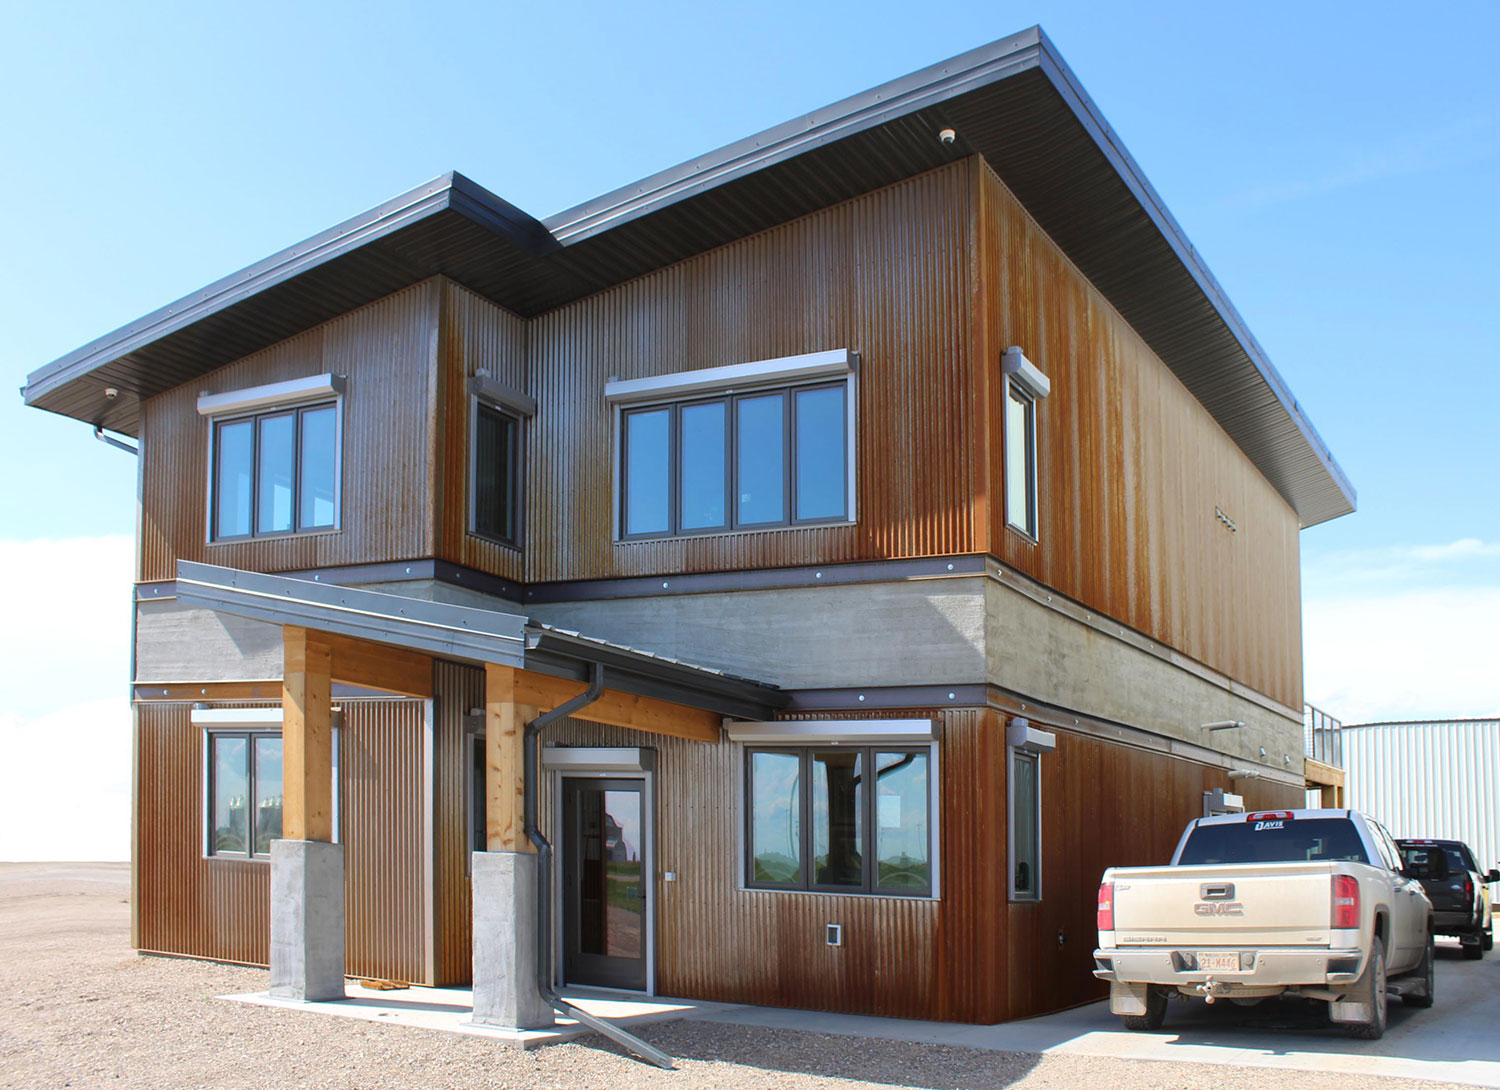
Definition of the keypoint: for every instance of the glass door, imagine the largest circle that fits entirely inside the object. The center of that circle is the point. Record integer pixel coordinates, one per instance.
(605, 883)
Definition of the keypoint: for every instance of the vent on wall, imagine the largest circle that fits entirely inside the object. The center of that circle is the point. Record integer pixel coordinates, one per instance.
(835, 934)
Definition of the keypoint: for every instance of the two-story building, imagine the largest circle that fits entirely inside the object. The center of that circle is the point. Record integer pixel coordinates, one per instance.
(913, 511)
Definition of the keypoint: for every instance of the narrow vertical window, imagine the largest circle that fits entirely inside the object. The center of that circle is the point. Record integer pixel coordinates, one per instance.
(233, 487)
(837, 816)
(268, 779)
(821, 452)
(1020, 460)
(276, 460)
(319, 462)
(648, 477)
(702, 465)
(496, 474)
(760, 459)
(775, 818)
(230, 809)
(902, 813)
(1025, 827)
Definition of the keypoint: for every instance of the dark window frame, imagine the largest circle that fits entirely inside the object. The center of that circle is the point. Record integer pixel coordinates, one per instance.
(1018, 392)
(869, 863)
(731, 400)
(1018, 755)
(517, 482)
(249, 737)
(255, 420)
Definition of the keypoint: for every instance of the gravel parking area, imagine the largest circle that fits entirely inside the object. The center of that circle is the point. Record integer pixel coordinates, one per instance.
(79, 1008)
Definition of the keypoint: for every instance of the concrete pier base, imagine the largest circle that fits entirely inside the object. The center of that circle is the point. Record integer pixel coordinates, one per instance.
(307, 920)
(505, 942)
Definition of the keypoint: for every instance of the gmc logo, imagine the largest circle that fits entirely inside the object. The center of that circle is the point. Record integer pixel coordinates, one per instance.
(1219, 908)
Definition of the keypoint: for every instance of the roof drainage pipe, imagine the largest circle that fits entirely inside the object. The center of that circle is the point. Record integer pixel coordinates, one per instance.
(544, 974)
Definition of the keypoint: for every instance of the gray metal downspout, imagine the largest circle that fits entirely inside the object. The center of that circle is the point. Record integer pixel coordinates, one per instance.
(112, 441)
(531, 781)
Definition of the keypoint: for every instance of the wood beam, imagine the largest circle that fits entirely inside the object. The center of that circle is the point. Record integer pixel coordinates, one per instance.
(504, 772)
(620, 709)
(307, 736)
(380, 666)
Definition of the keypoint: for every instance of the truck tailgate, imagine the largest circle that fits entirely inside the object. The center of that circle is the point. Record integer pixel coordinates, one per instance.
(1262, 904)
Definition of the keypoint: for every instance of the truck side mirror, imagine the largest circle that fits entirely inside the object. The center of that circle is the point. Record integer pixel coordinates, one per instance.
(1492, 876)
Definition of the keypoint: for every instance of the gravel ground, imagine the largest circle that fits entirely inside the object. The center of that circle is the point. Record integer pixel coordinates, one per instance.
(78, 1008)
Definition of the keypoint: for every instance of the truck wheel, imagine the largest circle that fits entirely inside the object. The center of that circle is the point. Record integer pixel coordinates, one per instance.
(1426, 972)
(1371, 987)
(1489, 937)
(1156, 1011)
(1473, 946)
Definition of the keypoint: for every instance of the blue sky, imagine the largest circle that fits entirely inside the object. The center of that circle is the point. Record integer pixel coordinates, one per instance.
(1338, 166)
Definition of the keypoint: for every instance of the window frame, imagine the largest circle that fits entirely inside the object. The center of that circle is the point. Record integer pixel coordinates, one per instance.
(806, 753)
(478, 403)
(1015, 754)
(1020, 392)
(297, 409)
(250, 723)
(250, 734)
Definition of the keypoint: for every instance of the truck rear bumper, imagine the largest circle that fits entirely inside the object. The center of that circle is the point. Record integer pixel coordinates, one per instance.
(1273, 967)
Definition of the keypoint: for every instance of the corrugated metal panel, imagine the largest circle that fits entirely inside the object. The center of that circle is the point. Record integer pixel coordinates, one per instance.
(1131, 472)
(1433, 779)
(220, 909)
(887, 275)
(388, 352)
(458, 688)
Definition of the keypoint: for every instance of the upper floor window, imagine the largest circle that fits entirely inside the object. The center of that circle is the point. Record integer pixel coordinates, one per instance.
(1025, 385)
(275, 458)
(746, 447)
(495, 459)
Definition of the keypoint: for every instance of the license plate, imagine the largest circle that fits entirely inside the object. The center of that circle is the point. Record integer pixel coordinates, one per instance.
(1218, 963)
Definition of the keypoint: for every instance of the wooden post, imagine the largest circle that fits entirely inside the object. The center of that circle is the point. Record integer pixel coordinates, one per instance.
(307, 736)
(504, 776)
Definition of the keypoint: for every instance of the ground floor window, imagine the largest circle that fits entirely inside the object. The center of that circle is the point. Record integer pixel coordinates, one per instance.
(244, 793)
(851, 819)
(1025, 827)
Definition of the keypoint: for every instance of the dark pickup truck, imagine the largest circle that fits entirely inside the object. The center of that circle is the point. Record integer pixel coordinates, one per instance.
(1455, 886)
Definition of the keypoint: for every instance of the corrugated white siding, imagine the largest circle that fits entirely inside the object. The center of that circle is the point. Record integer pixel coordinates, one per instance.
(1429, 780)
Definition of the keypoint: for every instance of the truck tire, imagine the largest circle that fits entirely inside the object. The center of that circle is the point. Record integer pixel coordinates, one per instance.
(1372, 985)
(1489, 937)
(1426, 972)
(1473, 946)
(1156, 1011)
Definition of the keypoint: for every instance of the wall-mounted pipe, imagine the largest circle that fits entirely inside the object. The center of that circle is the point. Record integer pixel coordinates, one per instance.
(112, 441)
(544, 975)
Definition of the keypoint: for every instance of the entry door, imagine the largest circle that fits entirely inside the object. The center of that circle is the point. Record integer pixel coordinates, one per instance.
(606, 883)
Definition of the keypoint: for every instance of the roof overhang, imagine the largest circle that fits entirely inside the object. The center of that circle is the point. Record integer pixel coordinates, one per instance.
(465, 634)
(1014, 102)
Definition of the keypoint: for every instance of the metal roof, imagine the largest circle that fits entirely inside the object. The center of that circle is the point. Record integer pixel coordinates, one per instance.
(1014, 102)
(469, 635)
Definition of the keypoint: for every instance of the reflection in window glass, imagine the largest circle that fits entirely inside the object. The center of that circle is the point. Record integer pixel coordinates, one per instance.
(495, 482)
(624, 929)
(276, 463)
(319, 467)
(231, 789)
(267, 792)
(701, 465)
(775, 818)
(821, 453)
(901, 817)
(1025, 839)
(232, 486)
(760, 459)
(647, 472)
(837, 818)
(1020, 461)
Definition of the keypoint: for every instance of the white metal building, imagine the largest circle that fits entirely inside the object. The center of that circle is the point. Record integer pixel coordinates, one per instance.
(1436, 779)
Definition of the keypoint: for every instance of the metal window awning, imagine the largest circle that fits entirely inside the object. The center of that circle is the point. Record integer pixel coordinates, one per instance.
(466, 634)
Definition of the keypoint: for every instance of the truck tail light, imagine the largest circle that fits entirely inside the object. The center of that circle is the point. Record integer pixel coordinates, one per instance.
(1468, 889)
(1345, 901)
(1107, 906)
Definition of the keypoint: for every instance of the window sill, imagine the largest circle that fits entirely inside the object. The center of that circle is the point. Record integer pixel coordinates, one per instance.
(275, 537)
(700, 535)
(227, 858)
(1022, 534)
(500, 542)
(852, 893)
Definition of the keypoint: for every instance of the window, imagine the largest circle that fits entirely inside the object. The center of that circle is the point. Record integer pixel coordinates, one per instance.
(744, 447)
(1025, 826)
(813, 822)
(244, 793)
(496, 481)
(1025, 385)
(276, 472)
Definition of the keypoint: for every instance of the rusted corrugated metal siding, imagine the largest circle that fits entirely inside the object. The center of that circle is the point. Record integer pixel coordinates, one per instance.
(458, 688)
(220, 908)
(1131, 470)
(388, 350)
(384, 832)
(476, 335)
(887, 274)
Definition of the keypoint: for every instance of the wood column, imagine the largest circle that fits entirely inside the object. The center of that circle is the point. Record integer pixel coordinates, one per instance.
(504, 765)
(307, 736)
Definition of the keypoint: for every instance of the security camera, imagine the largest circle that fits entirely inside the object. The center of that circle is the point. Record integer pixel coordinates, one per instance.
(947, 136)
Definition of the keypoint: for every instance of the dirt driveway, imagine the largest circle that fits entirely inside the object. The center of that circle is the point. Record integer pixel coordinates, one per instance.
(78, 1008)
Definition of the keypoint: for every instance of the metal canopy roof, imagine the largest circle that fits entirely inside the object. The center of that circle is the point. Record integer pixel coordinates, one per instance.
(469, 635)
(1014, 102)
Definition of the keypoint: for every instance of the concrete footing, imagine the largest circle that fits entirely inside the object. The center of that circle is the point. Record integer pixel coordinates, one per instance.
(505, 942)
(307, 920)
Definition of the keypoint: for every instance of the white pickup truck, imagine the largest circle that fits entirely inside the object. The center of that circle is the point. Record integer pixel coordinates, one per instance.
(1285, 902)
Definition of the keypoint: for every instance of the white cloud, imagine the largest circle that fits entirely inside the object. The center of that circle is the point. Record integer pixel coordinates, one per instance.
(1404, 632)
(65, 744)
